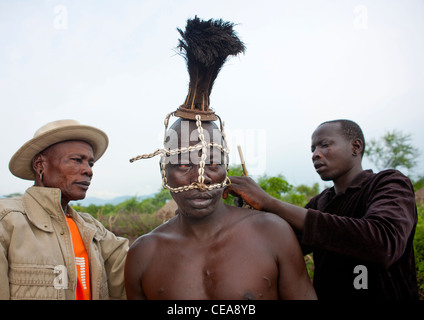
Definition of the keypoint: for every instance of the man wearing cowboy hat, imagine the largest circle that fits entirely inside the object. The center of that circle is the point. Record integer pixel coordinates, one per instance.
(47, 249)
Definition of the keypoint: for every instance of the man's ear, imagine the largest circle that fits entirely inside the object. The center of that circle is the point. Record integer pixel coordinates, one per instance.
(38, 163)
(357, 147)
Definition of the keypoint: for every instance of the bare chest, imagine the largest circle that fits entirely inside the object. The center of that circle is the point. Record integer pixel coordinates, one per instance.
(223, 270)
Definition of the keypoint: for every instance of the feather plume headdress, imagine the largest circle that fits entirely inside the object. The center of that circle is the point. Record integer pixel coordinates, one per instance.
(205, 45)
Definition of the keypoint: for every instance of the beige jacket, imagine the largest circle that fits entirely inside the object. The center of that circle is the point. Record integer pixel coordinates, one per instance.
(36, 254)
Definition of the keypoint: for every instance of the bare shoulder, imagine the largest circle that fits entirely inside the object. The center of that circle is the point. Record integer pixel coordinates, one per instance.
(269, 225)
(148, 242)
(265, 220)
(277, 235)
(140, 256)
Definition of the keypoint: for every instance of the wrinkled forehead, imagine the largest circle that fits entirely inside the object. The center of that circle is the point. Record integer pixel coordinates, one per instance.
(184, 133)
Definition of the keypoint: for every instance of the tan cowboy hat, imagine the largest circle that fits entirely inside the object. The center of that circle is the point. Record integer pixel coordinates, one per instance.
(57, 131)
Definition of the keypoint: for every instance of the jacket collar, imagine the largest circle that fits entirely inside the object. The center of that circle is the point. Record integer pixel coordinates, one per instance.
(357, 182)
(85, 228)
(41, 204)
(360, 179)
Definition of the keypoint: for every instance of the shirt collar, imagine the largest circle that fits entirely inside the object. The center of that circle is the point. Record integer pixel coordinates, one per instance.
(357, 182)
(41, 204)
(360, 179)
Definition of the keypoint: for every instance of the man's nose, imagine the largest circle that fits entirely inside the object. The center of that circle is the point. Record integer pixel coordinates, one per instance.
(198, 172)
(87, 169)
(316, 154)
(208, 179)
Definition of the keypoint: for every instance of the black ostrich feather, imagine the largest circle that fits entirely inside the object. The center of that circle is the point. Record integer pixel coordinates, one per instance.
(206, 45)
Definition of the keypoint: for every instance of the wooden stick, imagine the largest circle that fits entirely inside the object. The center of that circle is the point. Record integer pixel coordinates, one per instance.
(243, 165)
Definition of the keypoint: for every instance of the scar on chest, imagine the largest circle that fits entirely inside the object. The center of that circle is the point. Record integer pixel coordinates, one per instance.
(268, 281)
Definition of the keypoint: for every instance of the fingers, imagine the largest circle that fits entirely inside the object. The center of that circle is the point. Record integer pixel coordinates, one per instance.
(229, 190)
(242, 188)
(239, 180)
(233, 187)
(225, 193)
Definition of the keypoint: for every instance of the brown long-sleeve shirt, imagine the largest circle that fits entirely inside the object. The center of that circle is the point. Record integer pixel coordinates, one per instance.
(362, 240)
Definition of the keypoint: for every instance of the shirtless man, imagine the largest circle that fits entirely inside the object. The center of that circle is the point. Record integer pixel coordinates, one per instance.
(210, 250)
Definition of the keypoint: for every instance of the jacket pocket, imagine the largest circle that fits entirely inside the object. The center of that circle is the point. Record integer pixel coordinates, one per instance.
(35, 282)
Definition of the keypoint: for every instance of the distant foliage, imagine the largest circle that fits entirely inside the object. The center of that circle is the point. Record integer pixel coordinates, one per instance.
(13, 195)
(392, 151)
(274, 186)
(131, 218)
(132, 205)
(279, 188)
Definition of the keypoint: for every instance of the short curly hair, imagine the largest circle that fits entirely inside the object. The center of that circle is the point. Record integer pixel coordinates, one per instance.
(350, 130)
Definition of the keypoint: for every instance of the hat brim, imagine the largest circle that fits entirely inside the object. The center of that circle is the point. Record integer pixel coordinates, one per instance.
(21, 163)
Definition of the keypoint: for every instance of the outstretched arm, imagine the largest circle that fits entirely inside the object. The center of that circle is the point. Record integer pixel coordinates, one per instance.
(255, 196)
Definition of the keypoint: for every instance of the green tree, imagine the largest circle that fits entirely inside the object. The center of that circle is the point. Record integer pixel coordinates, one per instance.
(161, 197)
(274, 186)
(279, 188)
(233, 171)
(301, 194)
(393, 150)
(418, 183)
(128, 206)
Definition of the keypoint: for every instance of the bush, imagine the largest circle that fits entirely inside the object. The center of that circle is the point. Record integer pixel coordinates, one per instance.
(130, 225)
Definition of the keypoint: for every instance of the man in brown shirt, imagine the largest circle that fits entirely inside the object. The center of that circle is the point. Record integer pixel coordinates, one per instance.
(361, 230)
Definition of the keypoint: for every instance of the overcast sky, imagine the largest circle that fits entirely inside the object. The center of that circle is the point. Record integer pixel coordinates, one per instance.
(112, 64)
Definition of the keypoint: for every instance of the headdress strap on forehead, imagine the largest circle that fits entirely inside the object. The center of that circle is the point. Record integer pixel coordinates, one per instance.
(203, 146)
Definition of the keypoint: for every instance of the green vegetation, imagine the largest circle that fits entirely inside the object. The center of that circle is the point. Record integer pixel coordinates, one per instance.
(279, 188)
(393, 150)
(131, 218)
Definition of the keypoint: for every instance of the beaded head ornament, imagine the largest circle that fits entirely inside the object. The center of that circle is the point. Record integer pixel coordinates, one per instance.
(205, 45)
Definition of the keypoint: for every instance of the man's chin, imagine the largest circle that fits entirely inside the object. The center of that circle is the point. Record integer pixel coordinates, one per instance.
(325, 177)
(198, 208)
(79, 196)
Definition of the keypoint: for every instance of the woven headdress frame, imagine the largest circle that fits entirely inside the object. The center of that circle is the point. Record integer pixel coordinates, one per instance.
(202, 146)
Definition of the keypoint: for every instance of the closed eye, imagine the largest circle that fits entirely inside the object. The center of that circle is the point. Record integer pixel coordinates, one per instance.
(324, 144)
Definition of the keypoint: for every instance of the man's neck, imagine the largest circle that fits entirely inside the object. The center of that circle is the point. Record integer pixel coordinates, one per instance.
(64, 205)
(343, 182)
(205, 228)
